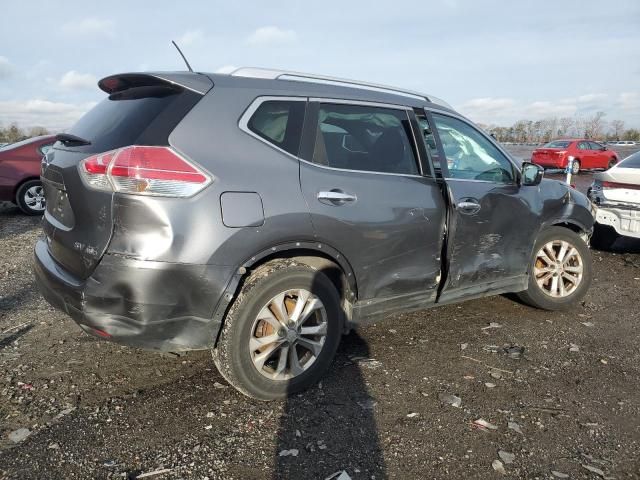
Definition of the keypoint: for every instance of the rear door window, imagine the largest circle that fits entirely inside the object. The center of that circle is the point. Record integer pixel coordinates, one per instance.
(583, 146)
(279, 122)
(365, 138)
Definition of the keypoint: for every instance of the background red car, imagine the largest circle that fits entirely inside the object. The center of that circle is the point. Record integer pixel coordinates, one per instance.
(587, 154)
(20, 173)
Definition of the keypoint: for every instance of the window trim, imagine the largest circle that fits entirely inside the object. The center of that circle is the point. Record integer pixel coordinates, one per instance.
(243, 122)
(445, 170)
(316, 101)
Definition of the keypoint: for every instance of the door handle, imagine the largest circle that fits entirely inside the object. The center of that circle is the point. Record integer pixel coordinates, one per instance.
(336, 197)
(468, 206)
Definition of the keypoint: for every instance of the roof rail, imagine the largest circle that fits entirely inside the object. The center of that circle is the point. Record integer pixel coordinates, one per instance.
(270, 74)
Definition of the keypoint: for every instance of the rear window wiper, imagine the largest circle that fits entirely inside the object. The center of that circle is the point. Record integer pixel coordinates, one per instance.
(72, 140)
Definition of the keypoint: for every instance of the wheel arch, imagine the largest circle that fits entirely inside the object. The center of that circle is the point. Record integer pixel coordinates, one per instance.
(22, 182)
(315, 254)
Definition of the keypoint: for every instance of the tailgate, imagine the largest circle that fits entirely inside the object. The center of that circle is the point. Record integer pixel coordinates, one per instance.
(142, 109)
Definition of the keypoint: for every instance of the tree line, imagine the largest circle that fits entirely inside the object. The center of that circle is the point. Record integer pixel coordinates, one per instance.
(545, 130)
(14, 133)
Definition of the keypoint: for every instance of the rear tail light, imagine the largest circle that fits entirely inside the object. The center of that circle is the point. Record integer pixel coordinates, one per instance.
(628, 186)
(144, 170)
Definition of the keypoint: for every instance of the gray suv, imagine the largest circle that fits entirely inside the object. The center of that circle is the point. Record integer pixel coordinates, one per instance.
(263, 214)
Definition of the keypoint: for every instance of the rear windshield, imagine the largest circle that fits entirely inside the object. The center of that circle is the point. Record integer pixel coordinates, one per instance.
(141, 116)
(632, 161)
(558, 144)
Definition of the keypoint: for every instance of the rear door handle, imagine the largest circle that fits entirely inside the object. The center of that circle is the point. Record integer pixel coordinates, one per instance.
(336, 197)
(468, 206)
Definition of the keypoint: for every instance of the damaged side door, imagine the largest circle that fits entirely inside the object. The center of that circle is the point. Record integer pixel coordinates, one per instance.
(491, 225)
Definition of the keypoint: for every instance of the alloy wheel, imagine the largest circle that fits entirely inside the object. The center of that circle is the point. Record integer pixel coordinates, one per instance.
(558, 268)
(288, 334)
(34, 198)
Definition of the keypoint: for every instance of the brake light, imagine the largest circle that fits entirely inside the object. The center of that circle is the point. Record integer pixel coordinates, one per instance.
(143, 170)
(628, 186)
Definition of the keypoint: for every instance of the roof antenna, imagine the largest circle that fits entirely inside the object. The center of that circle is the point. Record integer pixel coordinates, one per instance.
(182, 55)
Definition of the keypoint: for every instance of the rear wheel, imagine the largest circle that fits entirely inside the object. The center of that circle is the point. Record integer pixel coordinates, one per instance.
(576, 167)
(560, 272)
(30, 197)
(604, 236)
(282, 331)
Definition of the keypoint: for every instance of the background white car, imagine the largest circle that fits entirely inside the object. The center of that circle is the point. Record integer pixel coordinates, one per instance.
(616, 194)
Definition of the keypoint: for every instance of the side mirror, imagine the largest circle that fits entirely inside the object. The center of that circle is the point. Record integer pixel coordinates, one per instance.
(531, 174)
(604, 147)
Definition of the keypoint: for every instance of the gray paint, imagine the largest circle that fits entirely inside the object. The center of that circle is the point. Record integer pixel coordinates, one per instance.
(160, 272)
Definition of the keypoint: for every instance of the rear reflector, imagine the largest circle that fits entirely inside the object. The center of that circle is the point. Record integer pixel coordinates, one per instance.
(142, 170)
(628, 186)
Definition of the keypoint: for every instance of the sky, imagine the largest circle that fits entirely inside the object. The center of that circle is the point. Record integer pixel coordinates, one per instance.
(494, 61)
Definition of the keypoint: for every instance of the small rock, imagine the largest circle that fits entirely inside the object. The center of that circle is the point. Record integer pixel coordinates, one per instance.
(19, 435)
(219, 385)
(498, 467)
(412, 415)
(506, 457)
(463, 346)
(209, 415)
(393, 331)
(492, 325)
(574, 348)
(289, 453)
(587, 324)
(513, 351)
(109, 463)
(603, 361)
(208, 427)
(515, 427)
(595, 470)
(53, 446)
(489, 385)
(158, 372)
(340, 475)
(452, 400)
(495, 374)
(559, 474)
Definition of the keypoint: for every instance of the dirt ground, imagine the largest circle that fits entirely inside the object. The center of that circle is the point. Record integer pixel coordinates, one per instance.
(570, 404)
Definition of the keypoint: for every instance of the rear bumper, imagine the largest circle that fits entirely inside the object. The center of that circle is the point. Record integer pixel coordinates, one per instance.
(548, 163)
(152, 305)
(625, 221)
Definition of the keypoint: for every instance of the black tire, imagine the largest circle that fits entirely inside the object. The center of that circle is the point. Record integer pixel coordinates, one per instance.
(612, 163)
(24, 197)
(232, 354)
(604, 236)
(535, 295)
(576, 167)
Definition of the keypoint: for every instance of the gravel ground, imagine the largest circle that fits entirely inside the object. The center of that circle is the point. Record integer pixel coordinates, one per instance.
(569, 404)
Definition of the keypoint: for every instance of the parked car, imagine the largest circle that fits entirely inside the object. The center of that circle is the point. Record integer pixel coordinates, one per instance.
(262, 214)
(20, 173)
(587, 154)
(616, 194)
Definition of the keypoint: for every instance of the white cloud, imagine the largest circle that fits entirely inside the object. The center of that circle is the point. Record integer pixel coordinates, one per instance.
(73, 80)
(506, 111)
(190, 37)
(55, 116)
(271, 35)
(629, 101)
(90, 26)
(6, 69)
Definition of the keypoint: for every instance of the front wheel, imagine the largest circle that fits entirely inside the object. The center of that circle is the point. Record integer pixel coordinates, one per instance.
(612, 163)
(560, 272)
(282, 331)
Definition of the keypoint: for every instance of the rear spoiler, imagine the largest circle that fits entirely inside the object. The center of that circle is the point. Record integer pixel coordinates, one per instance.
(123, 81)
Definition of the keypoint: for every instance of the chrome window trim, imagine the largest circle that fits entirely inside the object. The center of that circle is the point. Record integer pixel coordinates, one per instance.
(243, 122)
(485, 135)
